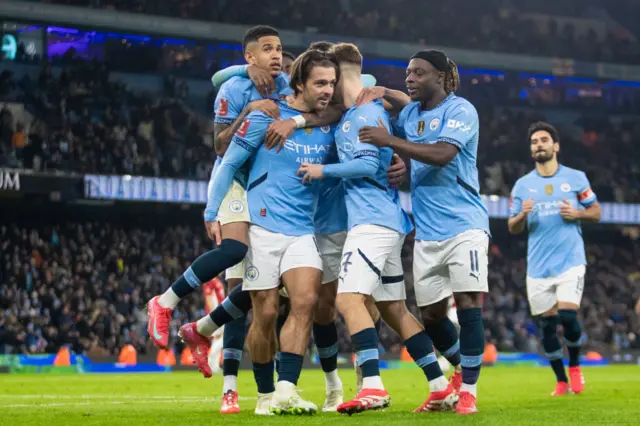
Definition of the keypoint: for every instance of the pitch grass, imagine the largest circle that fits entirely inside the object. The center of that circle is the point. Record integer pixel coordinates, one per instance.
(507, 396)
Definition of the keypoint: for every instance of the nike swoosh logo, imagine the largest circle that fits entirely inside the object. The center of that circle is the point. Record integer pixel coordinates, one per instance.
(474, 276)
(155, 330)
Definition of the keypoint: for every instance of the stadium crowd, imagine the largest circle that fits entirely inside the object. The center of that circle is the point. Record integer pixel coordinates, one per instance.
(86, 122)
(496, 25)
(85, 284)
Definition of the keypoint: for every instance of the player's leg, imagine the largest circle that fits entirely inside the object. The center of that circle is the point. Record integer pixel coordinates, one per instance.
(468, 270)
(390, 297)
(233, 345)
(325, 333)
(543, 304)
(234, 218)
(301, 269)
(433, 291)
(569, 294)
(377, 320)
(366, 251)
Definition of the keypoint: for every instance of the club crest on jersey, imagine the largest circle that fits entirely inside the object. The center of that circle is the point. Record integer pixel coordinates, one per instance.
(223, 108)
(434, 124)
(242, 131)
(346, 126)
(308, 130)
(565, 187)
(548, 189)
(236, 206)
(325, 129)
(251, 273)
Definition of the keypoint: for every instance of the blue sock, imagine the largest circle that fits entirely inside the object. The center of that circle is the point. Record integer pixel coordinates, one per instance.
(290, 367)
(445, 339)
(208, 265)
(552, 348)
(263, 373)
(326, 337)
(365, 345)
(471, 344)
(420, 348)
(282, 318)
(233, 344)
(234, 306)
(572, 335)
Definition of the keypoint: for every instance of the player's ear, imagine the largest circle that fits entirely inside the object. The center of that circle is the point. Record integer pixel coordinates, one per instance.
(556, 147)
(300, 87)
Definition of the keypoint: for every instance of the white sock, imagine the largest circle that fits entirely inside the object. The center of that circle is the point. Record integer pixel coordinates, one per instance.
(438, 385)
(468, 388)
(284, 387)
(373, 382)
(206, 326)
(229, 384)
(457, 368)
(169, 299)
(333, 380)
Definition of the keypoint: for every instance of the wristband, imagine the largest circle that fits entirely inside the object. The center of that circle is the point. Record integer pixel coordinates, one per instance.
(300, 121)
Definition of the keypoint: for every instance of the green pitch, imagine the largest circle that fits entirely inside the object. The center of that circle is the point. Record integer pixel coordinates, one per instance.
(507, 396)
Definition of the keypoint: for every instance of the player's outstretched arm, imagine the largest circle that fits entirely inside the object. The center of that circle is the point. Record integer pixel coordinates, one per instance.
(225, 74)
(393, 100)
(280, 130)
(262, 79)
(439, 154)
(223, 133)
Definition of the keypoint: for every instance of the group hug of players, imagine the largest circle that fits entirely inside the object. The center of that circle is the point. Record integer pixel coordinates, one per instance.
(304, 208)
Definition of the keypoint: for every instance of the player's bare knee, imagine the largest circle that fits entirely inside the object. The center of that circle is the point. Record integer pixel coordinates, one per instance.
(468, 300)
(304, 304)
(434, 313)
(346, 301)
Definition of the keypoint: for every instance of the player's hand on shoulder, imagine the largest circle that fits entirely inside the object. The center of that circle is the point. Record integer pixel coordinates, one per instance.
(568, 212)
(396, 171)
(527, 206)
(267, 106)
(262, 79)
(213, 231)
(310, 172)
(370, 94)
(278, 133)
(378, 136)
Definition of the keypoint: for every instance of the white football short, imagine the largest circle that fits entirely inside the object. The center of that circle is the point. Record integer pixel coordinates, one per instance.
(456, 265)
(544, 293)
(371, 263)
(331, 246)
(270, 255)
(234, 208)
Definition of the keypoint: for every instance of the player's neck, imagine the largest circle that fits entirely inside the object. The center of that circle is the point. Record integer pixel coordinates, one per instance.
(351, 88)
(548, 168)
(298, 103)
(434, 101)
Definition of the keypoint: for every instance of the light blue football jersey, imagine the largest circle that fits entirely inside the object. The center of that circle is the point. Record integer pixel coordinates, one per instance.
(278, 201)
(330, 213)
(234, 95)
(369, 199)
(445, 200)
(555, 245)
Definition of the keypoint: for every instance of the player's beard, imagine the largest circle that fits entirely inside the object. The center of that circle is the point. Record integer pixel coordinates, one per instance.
(543, 157)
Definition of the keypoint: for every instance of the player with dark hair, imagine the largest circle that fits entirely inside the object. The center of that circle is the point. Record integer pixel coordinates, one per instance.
(552, 201)
(439, 132)
(281, 240)
(227, 226)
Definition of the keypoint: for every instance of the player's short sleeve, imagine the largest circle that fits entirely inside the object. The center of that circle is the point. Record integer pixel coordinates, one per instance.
(586, 196)
(230, 101)
(459, 125)
(368, 115)
(250, 135)
(515, 201)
